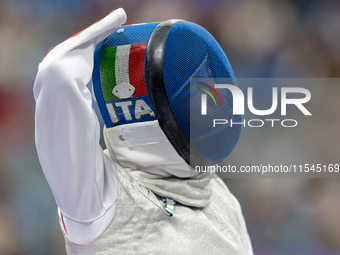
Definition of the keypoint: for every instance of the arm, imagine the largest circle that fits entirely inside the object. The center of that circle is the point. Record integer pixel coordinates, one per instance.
(67, 132)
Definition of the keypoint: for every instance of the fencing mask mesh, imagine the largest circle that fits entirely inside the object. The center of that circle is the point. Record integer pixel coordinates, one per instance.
(167, 71)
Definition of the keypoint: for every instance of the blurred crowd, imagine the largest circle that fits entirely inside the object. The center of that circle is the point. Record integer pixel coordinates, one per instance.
(263, 38)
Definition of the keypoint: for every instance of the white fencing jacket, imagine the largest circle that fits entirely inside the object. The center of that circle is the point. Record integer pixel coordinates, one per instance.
(82, 178)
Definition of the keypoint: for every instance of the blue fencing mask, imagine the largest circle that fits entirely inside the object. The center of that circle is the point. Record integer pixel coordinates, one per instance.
(167, 71)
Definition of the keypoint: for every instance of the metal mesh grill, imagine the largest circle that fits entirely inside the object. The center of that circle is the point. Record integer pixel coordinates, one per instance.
(130, 34)
(192, 57)
(193, 62)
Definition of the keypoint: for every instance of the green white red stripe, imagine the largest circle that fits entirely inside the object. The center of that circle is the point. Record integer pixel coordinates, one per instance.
(120, 64)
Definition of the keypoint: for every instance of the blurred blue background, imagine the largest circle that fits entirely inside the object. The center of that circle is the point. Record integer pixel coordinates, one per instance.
(263, 38)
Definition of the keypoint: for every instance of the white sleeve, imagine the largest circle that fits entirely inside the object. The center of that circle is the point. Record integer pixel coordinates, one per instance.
(67, 133)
